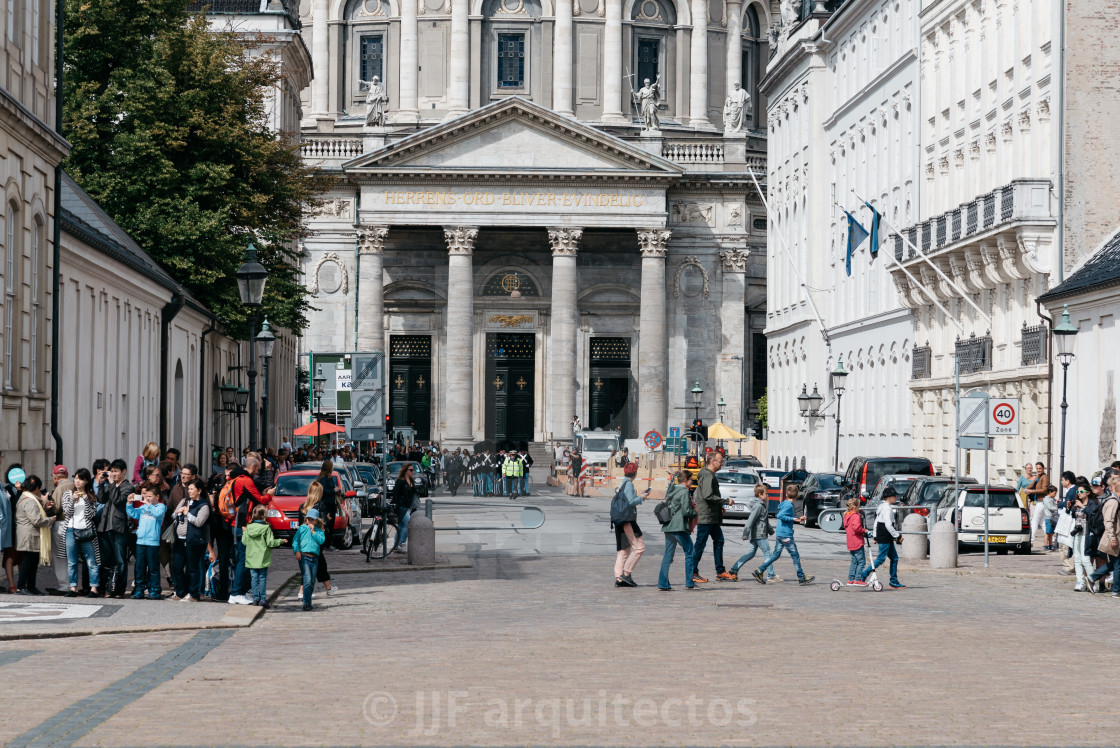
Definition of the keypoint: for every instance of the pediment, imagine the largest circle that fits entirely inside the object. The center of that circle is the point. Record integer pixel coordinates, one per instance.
(512, 136)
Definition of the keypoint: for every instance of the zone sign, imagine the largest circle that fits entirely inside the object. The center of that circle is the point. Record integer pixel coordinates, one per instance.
(1003, 416)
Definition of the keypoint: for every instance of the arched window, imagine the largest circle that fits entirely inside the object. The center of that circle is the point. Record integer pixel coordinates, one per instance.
(653, 46)
(754, 60)
(511, 49)
(12, 254)
(179, 425)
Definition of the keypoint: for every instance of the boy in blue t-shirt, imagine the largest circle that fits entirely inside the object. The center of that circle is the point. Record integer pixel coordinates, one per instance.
(783, 537)
(150, 518)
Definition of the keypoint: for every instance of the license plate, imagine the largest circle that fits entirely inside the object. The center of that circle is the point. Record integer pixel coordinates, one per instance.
(293, 525)
(994, 539)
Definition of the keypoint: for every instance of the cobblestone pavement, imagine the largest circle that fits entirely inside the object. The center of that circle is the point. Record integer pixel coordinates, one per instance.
(540, 648)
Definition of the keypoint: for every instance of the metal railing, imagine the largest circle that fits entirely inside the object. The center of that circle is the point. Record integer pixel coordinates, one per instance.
(227, 6)
(921, 363)
(975, 354)
(1033, 342)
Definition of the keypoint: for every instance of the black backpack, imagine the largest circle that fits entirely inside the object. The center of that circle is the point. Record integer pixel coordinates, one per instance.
(1094, 518)
(622, 510)
(663, 513)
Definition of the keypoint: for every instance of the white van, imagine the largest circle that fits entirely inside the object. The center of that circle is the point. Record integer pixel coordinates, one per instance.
(595, 447)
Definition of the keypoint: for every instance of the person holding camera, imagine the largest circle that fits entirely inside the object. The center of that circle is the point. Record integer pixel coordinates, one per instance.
(149, 517)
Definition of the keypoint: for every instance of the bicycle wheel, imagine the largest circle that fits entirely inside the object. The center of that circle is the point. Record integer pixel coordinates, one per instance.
(385, 539)
(367, 541)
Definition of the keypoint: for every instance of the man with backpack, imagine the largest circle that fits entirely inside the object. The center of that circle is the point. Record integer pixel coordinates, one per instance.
(236, 506)
(1105, 520)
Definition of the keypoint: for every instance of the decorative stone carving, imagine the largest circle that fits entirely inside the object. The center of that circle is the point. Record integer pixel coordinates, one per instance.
(686, 263)
(340, 208)
(511, 8)
(1044, 110)
(652, 242)
(460, 239)
(1008, 131)
(943, 164)
(371, 240)
(377, 11)
(974, 149)
(692, 213)
(1025, 121)
(734, 260)
(902, 285)
(376, 101)
(958, 157)
(735, 109)
(1009, 259)
(647, 98)
(989, 260)
(734, 215)
(331, 262)
(990, 142)
(1032, 257)
(565, 242)
(648, 10)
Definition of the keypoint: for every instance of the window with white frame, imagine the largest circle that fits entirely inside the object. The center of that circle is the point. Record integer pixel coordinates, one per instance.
(15, 9)
(11, 266)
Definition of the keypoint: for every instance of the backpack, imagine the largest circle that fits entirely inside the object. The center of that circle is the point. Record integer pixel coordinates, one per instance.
(226, 502)
(1094, 519)
(621, 509)
(663, 513)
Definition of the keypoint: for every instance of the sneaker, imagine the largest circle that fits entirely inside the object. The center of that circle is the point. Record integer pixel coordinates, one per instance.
(806, 580)
(189, 599)
(138, 596)
(155, 596)
(758, 576)
(264, 604)
(72, 593)
(898, 585)
(857, 583)
(332, 590)
(175, 597)
(239, 600)
(1091, 588)
(723, 576)
(1065, 573)
(664, 589)
(699, 579)
(629, 580)
(1079, 588)
(619, 583)
(694, 587)
(307, 607)
(1115, 595)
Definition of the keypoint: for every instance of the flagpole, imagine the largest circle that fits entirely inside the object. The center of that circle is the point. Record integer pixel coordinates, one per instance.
(929, 262)
(789, 258)
(917, 283)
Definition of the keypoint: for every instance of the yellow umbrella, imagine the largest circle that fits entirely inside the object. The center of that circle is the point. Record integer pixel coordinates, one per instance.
(719, 431)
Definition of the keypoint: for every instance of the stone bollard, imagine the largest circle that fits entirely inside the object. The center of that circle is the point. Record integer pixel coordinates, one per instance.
(421, 540)
(943, 545)
(915, 547)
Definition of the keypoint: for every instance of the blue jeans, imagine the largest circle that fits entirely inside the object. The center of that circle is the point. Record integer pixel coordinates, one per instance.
(762, 544)
(308, 564)
(147, 570)
(1112, 565)
(74, 561)
(702, 534)
(525, 485)
(240, 575)
(672, 540)
(886, 550)
(488, 483)
(784, 544)
(855, 568)
(403, 515)
(512, 485)
(259, 579)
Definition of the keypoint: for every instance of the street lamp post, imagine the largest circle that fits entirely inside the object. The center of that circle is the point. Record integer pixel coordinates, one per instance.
(266, 340)
(320, 383)
(697, 395)
(251, 277)
(838, 375)
(1064, 334)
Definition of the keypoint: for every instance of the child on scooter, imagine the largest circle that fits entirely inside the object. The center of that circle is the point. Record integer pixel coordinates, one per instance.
(857, 537)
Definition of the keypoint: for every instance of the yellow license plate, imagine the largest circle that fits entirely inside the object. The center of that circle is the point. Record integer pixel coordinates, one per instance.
(995, 538)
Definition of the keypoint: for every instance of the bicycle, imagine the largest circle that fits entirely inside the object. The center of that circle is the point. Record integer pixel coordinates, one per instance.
(383, 535)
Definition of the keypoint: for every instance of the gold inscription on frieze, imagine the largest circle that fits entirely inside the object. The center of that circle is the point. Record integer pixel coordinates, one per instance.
(439, 199)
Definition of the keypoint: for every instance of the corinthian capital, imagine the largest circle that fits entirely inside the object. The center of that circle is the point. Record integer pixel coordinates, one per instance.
(653, 241)
(371, 239)
(565, 242)
(734, 260)
(460, 239)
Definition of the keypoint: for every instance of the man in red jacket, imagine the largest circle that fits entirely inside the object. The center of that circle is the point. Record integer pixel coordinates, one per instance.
(245, 497)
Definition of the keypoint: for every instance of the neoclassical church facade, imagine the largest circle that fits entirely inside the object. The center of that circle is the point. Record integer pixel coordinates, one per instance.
(509, 237)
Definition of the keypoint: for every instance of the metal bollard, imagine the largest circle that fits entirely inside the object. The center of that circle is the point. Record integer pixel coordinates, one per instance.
(916, 546)
(422, 538)
(943, 545)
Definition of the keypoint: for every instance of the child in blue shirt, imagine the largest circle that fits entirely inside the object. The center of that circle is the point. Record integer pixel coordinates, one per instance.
(783, 538)
(150, 518)
(308, 540)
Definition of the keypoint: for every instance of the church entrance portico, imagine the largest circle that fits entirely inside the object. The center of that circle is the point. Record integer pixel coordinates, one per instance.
(509, 385)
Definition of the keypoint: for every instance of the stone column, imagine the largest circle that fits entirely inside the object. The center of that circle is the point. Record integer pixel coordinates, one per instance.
(612, 63)
(320, 58)
(562, 60)
(409, 108)
(698, 64)
(371, 283)
(565, 321)
(458, 386)
(734, 64)
(459, 98)
(733, 324)
(652, 392)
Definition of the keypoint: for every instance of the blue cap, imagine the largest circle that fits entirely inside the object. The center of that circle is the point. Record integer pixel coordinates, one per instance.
(313, 514)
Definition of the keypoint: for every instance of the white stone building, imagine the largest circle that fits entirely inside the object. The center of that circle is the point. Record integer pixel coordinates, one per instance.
(841, 94)
(512, 241)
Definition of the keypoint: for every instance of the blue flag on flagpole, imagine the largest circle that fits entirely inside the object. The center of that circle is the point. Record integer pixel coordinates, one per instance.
(856, 235)
(873, 248)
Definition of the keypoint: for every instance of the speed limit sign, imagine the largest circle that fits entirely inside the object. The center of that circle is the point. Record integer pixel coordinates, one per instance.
(1003, 416)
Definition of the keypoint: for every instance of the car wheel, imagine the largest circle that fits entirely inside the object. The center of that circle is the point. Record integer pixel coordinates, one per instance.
(347, 541)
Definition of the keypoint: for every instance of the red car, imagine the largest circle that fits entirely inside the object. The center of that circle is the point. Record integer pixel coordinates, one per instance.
(291, 492)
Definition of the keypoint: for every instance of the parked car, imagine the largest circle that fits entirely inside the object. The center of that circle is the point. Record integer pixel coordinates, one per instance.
(747, 461)
(819, 491)
(863, 474)
(1009, 525)
(371, 478)
(394, 469)
(737, 484)
(773, 481)
(291, 492)
(924, 493)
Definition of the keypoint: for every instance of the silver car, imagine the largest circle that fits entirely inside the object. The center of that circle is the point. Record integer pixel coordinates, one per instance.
(737, 484)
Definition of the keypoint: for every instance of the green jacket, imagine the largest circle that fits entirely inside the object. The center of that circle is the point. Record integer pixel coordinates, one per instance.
(679, 504)
(709, 504)
(259, 542)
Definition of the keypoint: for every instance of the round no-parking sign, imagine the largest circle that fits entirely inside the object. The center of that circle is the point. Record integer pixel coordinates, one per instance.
(653, 440)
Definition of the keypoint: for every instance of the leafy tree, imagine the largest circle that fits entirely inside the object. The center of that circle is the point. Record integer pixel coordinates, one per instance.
(167, 119)
(762, 414)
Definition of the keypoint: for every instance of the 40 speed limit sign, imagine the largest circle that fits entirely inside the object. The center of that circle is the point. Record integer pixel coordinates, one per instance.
(1003, 416)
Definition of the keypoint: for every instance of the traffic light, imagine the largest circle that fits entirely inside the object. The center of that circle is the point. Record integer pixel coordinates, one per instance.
(699, 427)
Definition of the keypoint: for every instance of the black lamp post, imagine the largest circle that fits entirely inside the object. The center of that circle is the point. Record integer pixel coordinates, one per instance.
(251, 277)
(697, 395)
(320, 383)
(838, 375)
(266, 340)
(1064, 334)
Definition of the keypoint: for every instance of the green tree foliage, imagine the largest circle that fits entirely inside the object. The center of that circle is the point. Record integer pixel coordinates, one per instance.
(762, 410)
(168, 122)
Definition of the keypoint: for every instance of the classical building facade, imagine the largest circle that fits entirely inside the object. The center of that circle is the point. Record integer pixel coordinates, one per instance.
(511, 238)
(842, 129)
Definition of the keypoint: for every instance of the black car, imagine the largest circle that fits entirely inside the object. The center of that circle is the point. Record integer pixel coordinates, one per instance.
(393, 469)
(819, 491)
(863, 474)
(925, 493)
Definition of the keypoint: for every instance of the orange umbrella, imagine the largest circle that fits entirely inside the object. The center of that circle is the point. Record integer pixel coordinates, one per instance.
(313, 429)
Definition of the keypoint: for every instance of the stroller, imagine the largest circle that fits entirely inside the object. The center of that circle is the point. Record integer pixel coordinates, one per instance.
(872, 579)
